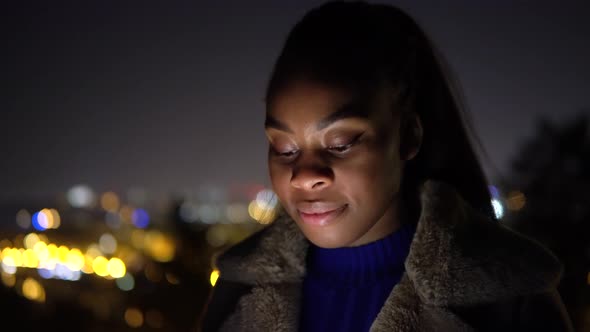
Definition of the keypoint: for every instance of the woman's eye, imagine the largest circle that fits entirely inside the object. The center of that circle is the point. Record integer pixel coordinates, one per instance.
(344, 147)
(285, 154)
(340, 148)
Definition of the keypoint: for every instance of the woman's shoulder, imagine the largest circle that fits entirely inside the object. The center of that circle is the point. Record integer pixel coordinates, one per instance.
(459, 256)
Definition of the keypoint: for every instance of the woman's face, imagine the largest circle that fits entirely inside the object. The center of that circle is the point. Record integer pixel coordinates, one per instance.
(334, 162)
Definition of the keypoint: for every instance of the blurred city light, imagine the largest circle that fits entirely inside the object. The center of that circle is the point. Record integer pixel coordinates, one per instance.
(134, 317)
(33, 290)
(109, 201)
(140, 218)
(214, 276)
(23, 219)
(498, 208)
(494, 192)
(126, 283)
(515, 201)
(81, 196)
(107, 243)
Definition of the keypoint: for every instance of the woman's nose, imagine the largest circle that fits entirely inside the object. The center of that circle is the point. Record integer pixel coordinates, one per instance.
(311, 176)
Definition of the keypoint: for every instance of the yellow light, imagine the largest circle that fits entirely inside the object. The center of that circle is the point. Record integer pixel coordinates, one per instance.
(93, 251)
(126, 214)
(16, 257)
(33, 290)
(160, 246)
(87, 268)
(43, 237)
(46, 218)
(137, 238)
(75, 260)
(214, 276)
(516, 200)
(62, 254)
(109, 201)
(53, 252)
(56, 218)
(30, 240)
(41, 251)
(30, 259)
(99, 265)
(263, 215)
(8, 279)
(134, 317)
(172, 278)
(5, 252)
(116, 268)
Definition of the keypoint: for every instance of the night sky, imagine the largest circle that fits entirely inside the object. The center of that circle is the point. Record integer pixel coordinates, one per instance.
(168, 95)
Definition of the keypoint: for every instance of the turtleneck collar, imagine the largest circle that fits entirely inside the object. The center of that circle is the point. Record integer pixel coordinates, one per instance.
(362, 264)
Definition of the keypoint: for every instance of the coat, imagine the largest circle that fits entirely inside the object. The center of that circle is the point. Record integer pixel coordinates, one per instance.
(464, 272)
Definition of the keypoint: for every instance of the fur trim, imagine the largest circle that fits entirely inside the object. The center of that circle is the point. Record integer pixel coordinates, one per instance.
(457, 258)
(276, 254)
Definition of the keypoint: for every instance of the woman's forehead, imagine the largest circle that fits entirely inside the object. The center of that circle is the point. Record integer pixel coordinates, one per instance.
(324, 104)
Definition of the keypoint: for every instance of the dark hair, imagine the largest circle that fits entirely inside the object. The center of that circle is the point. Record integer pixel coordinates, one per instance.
(361, 46)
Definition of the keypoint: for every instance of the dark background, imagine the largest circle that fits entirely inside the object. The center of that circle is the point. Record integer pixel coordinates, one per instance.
(166, 97)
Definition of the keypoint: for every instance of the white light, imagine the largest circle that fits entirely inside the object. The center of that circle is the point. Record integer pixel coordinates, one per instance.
(81, 196)
(266, 199)
(498, 208)
(189, 212)
(107, 243)
(209, 213)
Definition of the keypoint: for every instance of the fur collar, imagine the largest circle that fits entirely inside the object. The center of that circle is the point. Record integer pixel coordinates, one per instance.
(457, 258)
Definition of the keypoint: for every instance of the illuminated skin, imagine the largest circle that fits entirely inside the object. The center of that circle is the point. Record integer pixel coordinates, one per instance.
(334, 162)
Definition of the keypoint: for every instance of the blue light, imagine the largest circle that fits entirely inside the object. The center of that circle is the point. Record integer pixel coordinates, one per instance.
(494, 191)
(35, 222)
(140, 218)
(45, 273)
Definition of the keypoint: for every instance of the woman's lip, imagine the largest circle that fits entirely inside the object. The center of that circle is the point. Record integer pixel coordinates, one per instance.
(320, 219)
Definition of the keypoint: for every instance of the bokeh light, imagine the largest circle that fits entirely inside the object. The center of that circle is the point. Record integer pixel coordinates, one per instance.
(81, 196)
(214, 276)
(23, 219)
(107, 243)
(134, 317)
(237, 213)
(159, 246)
(126, 283)
(109, 201)
(498, 208)
(8, 279)
(116, 268)
(140, 218)
(515, 200)
(99, 265)
(33, 290)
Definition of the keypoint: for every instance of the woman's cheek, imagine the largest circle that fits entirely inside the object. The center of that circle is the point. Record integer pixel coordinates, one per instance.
(280, 179)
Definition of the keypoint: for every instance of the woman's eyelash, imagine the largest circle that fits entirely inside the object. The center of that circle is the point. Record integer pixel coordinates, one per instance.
(334, 148)
(345, 147)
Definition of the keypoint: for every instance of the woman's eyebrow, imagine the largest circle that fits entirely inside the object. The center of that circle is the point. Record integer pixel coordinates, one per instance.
(349, 110)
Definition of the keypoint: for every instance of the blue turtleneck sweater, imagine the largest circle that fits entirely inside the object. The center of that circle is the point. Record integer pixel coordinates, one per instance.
(345, 288)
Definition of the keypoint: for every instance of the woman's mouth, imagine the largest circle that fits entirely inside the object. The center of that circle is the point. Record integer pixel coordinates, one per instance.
(320, 217)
